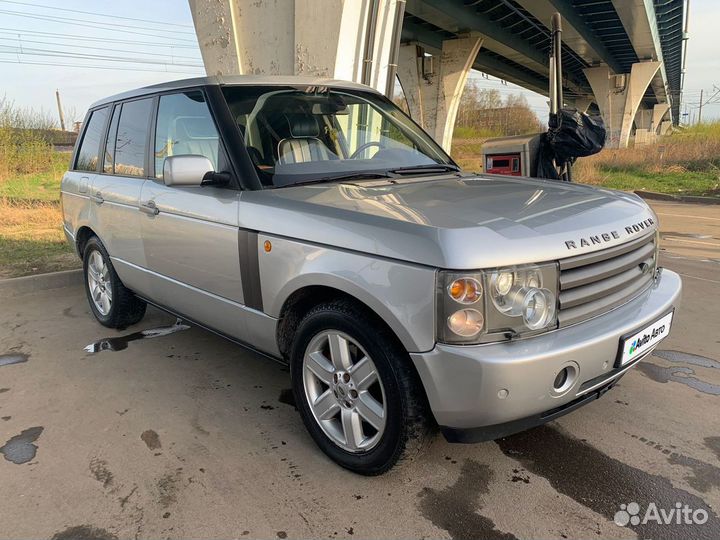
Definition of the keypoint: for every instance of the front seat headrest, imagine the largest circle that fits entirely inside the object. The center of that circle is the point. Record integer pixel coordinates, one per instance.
(303, 126)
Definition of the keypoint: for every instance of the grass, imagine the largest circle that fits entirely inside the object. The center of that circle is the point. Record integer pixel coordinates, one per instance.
(684, 163)
(31, 236)
(670, 181)
(31, 239)
(42, 186)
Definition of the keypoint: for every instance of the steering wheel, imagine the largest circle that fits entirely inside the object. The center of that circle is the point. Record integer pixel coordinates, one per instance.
(364, 147)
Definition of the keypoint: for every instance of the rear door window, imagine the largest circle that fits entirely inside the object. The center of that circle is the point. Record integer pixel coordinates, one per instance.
(88, 153)
(132, 138)
(185, 127)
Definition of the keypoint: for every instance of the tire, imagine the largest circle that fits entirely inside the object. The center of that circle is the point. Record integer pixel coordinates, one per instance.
(118, 309)
(345, 395)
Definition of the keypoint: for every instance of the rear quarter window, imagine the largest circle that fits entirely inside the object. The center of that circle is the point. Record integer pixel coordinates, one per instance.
(88, 154)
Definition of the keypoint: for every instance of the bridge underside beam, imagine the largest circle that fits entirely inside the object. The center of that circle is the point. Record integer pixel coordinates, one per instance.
(485, 61)
(458, 16)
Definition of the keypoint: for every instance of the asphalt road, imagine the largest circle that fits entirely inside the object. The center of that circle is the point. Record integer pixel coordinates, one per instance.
(187, 435)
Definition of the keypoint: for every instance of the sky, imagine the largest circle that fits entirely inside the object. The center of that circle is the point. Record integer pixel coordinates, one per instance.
(89, 49)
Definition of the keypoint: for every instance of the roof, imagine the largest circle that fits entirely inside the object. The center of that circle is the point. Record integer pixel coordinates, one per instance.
(234, 80)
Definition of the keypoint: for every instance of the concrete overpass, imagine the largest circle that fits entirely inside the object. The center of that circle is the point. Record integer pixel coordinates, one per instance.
(623, 58)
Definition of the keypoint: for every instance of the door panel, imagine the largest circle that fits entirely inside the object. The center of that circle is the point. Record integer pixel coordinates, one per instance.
(191, 247)
(76, 183)
(115, 193)
(190, 234)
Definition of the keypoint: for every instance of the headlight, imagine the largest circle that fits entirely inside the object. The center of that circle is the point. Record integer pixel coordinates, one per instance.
(538, 307)
(492, 305)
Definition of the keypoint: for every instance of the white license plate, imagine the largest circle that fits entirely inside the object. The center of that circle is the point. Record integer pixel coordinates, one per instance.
(637, 344)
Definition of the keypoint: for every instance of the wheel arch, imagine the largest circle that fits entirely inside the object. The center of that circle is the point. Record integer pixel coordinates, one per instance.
(83, 234)
(306, 297)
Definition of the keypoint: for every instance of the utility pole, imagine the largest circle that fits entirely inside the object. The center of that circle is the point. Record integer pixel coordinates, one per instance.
(60, 111)
(701, 106)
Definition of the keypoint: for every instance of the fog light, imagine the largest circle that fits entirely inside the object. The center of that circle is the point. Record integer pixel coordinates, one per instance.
(565, 379)
(561, 378)
(466, 322)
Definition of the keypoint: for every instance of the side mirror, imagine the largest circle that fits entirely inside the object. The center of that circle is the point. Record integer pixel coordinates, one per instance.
(188, 170)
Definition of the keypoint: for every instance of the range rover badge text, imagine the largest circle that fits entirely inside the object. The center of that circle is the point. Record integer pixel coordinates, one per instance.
(608, 236)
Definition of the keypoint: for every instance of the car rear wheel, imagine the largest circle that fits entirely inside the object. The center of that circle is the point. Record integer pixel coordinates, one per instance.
(355, 388)
(113, 305)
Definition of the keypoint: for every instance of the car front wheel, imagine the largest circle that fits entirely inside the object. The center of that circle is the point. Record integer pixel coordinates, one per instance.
(355, 388)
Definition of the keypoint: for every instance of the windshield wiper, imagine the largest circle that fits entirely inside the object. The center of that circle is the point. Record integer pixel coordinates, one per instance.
(433, 168)
(342, 177)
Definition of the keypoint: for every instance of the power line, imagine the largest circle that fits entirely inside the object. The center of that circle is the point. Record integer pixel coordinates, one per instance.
(88, 66)
(75, 20)
(22, 42)
(88, 56)
(97, 26)
(76, 37)
(95, 13)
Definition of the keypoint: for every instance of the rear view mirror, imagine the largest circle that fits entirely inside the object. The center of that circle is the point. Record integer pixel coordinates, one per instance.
(188, 170)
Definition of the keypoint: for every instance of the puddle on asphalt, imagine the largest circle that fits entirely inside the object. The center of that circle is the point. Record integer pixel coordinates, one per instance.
(713, 443)
(13, 358)
(455, 508)
(703, 476)
(120, 343)
(601, 483)
(685, 235)
(687, 358)
(84, 532)
(678, 374)
(151, 439)
(20, 448)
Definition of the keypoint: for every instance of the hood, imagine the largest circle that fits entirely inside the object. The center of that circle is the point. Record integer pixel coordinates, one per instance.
(455, 222)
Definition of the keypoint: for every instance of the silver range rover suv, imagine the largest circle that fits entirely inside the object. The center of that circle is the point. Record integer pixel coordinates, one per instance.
(311, 220)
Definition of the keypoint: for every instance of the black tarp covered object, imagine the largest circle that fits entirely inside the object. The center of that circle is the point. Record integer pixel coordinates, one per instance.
(572, 134)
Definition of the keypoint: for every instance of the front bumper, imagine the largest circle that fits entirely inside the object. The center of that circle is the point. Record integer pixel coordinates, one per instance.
(484, 392)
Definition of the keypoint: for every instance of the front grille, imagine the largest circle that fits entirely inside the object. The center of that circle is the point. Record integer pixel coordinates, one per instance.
(598, 282)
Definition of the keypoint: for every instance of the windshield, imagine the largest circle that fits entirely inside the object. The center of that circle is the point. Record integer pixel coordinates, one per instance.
(299, 134)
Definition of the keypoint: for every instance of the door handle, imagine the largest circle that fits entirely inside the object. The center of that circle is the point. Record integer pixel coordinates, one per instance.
(149, 208)
(97, 198)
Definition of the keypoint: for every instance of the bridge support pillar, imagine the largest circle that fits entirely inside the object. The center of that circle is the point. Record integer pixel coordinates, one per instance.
(659, 112)
(433, 86)
(582, 104)
(619, 97)
(352, 40)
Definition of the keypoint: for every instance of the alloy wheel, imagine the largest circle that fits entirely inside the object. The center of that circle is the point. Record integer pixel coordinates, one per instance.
(344, 391)
(98, 276)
